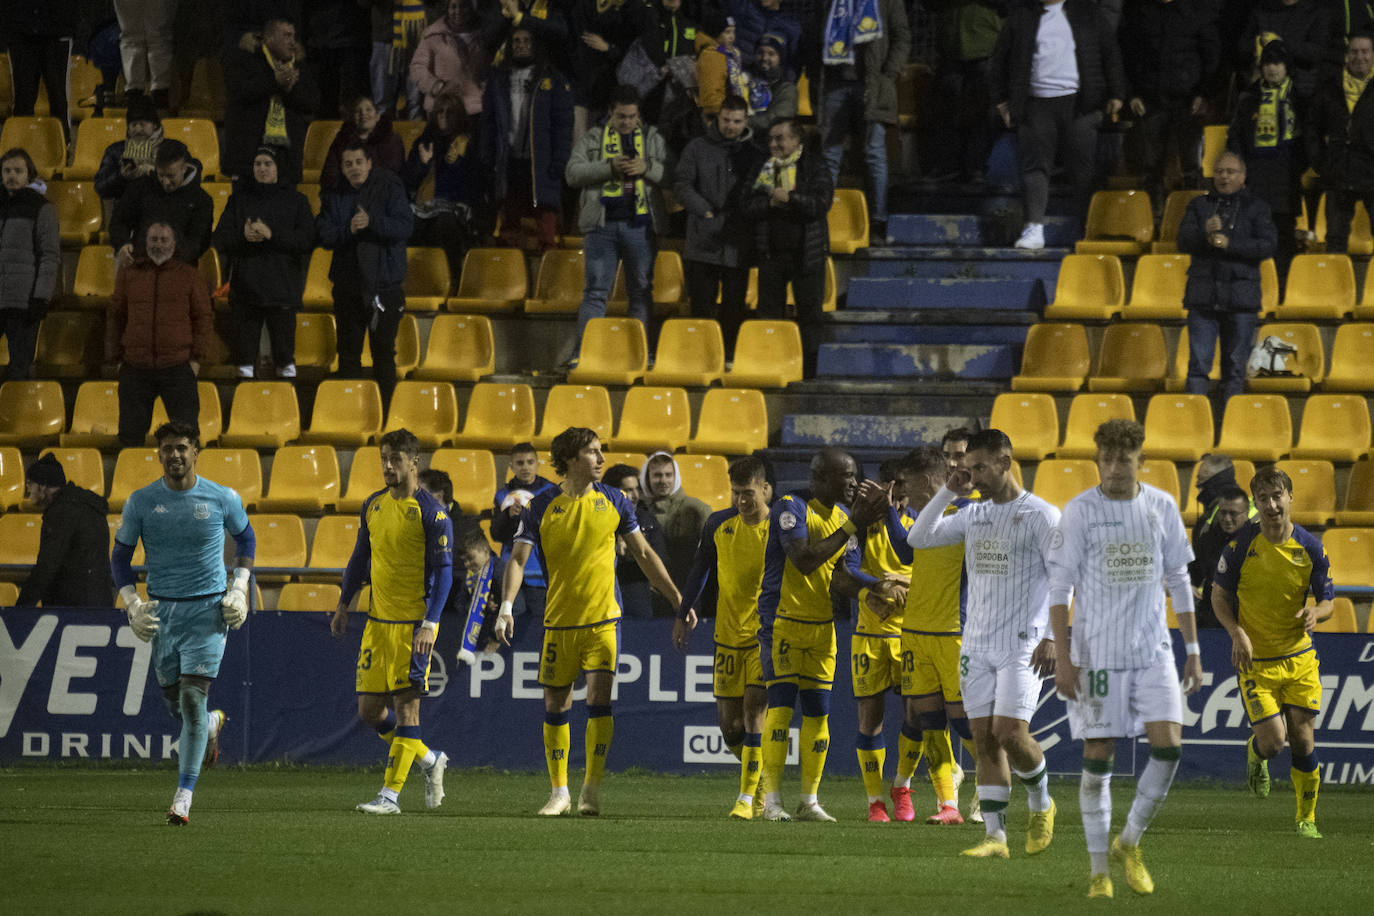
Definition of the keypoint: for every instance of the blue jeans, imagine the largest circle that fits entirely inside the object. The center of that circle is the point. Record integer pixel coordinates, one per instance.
(842, 116)
(605, 247)
(386, 82)
(1236, 331)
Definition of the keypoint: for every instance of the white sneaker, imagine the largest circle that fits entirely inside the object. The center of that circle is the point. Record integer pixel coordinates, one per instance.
(380, 805)
(287, 371)
(215, 721)
(558, 803)
(246, 371)
(975, 811)
(812, 811)
(179, 815)
(1032, 237)
(774, 811)
(588, 802)
(434, 782)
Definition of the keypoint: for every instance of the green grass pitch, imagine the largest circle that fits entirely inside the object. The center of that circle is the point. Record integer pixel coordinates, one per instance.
(268, 840)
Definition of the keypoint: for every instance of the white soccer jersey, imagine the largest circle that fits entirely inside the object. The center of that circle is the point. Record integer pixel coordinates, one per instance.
(1005, 550)
(1116, 554)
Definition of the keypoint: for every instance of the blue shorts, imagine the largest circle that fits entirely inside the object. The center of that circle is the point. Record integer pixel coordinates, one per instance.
(189, 640)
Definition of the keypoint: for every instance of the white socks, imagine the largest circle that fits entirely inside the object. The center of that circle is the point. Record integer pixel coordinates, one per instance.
(1037, 787)
(1150, 793)
(1095, 799)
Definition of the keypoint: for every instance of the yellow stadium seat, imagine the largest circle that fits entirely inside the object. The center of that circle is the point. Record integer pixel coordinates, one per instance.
(493, 280)
(69, 345)
(706, 477)
(669, 282)
(1269, 288)
(498, 416)
(219, 192)
(1319, 286)
(82, 79)
(312, 196)
(1309, 364)
(1314, 491)
(263, 415)
(461, 348)
(1179, 427)
(41, 138)
(11, 478)
(427, 279)
(473, 472)
(236, 468)
(1342, 619)
(1178, 372)
(1175, 205)
(1121, 223)
(1357, 509)
(614, 352)
(1256, 426)
(83, 466)
(574, 405)
(1351, 552)
(94, 282)
(317, 341)
(200, 137)
(803, 97)
(1334, 427)
(93, 137)
(281, 542)
(1162, 475)
(427, 409)
(1059, 480)
(19, 536)
(348, 412)
(408, 131)
(652, 419)
(691, 351)
(1090, 286)
(1157, 290)
(308, 596)
(1245, 470)
(335, 537)
(633, 459)
(558, 284)
(1054, 358)
(1132, 358)
(319, 136)
(1359, 242)
(305, 478)
(205, 97)
(364, 478)
(848, 221)
(134, 468)
(732, 421)
(319, 292)
(407, 347)
(1031, 422)
(211, 420)
(9, 594)
(829, 304)
(1364, 311)
(768, 354)
(1213, 145)
(78, 211)
(1352, 353)
(113, 520)
(1086, 413)
(31, 413)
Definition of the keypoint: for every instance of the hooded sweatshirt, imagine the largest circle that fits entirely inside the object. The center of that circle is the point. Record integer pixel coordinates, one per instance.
(73, 568)
(680, 516)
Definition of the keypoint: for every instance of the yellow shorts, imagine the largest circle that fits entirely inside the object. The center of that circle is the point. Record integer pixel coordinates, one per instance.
(930, 665)
(804, 652)
(874, 664)
(387, 662)
(568, 653)
(737, 667)
(1270, 686)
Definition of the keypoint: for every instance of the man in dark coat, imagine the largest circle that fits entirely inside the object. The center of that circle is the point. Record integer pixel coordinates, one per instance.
(269, 99)
(73, 568)
(1343, 133)
(30, 260)
(171, 195)
(1225, 508)
(1310, 31)
(1228, 233)
(125, 161)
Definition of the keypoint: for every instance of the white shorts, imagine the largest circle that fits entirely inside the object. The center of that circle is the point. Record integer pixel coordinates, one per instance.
(1000, 684)
(1117, 702)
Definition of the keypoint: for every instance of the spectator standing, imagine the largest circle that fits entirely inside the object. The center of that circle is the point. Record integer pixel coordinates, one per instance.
(336, 35)
(713, 174)
(366, 225)
(38, 36)
(1232, 509)
(775, 93)
(447, 184)
(145, 44)
(1343, 134)
(757, 18)
(526, 138)
(680, 516)
(635, 594)
(157, 331)
(265, 237)
(721, 72)
(450, 59)
(30, 259)
(619, 167)
(962, 126)
(1310, 31)
(269, 100)
(135, 156)
(73, 566)
(601, 34)
(396, 29)
(373, 128)
(524, 485)
(172, 194)
(543, 18)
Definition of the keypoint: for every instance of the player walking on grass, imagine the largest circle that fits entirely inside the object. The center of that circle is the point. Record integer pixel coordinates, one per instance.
(730, 555)
(1006, 652)
(1259, 592)
(405, 549)
(181, 520)
(806, 541)
(574, 528)
(1117, 548)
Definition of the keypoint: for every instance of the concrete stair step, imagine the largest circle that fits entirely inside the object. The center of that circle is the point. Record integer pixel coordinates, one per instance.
(946, 293)
(934, 361)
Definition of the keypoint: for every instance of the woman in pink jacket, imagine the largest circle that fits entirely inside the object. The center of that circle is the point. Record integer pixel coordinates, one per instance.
(450, 59)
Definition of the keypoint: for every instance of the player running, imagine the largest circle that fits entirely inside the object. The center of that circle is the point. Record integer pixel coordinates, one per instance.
(1258, 594)
(405, 549)
(1006, 652)
(574, 528)
(1118, 546)
(730, 556)
(181, 520)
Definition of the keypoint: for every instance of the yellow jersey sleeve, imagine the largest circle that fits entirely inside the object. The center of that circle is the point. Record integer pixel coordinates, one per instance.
(575, 537)
(1270, 583)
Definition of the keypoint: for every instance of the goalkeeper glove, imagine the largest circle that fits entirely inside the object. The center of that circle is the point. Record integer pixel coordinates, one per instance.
(142, 620)
(234, 607)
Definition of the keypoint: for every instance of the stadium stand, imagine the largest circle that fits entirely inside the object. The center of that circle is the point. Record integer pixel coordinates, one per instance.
(653, 418)
(31, 413)
(574, 405)
(1334, 427)
(82, 465)
(304, 479)
(427, 409)
(732, 421)
(1119, 223)
(691, 352)
(461, 348)
(493, 280)
(1132, 358)
(614, 351)
(1256, 426)
(1091, 287)
(473, 472)
(498, 416)
(11, 478)
(1086, 413)
(768, 354)
(1030, 420)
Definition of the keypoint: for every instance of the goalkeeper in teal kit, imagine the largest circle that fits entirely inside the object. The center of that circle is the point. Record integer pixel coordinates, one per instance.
(181, 519)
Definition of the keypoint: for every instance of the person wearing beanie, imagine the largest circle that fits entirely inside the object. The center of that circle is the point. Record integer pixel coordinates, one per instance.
(774, 86)
(135, 155)
(74, 544)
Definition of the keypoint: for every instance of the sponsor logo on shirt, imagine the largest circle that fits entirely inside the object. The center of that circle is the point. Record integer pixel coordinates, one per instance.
(787, 521)
(160, 509)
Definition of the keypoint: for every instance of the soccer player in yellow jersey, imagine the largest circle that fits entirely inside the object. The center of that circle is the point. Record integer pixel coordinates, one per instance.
(806, 541)
(730, 555)
(1258, 594)
(574, 528)
(405, 549)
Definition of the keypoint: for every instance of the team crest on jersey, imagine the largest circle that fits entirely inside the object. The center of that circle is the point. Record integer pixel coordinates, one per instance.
(1221, 565)
(787, 521)
(412, 514)
(599, 505)
(200, 511)
(1056, 539)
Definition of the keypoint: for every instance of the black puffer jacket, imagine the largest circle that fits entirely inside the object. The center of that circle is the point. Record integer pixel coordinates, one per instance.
(270, 273)
(711, 176)
(30, 256)
(1100, 76)
(1340, 140)
(1169, 50)
(1310, 33)
(808, 205)
(188, 209)
(1227, 279)
(73, 568)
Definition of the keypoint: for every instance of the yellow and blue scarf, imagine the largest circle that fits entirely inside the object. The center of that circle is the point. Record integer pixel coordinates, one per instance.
(1274, 119)
(779, 173)
(274, 129)
(610, 149)
(850, 23)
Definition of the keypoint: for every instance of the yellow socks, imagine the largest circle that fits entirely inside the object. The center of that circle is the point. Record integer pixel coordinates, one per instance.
(405, 747)
(871, 756)
(557, 744)
(751, 762)
(815, 744)
(940, 760)
(775, 726)
(600, 728)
